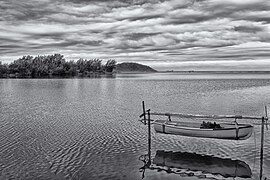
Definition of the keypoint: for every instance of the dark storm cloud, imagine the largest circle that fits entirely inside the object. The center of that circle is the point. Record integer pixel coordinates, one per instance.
(248, 29)
(23, 10)
(152, 31)
(138, 36)
(145, 17)
(130, 2)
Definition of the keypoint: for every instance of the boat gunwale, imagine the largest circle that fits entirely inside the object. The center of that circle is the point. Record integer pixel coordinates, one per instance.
(244, 126)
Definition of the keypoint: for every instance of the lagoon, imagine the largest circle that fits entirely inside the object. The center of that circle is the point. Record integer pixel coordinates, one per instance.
(89, 128)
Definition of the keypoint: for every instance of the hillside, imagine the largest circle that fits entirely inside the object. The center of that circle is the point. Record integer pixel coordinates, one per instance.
(133, 67)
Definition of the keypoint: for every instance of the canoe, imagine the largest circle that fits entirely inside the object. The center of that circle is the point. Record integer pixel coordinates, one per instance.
(205, 163)
(226, 130)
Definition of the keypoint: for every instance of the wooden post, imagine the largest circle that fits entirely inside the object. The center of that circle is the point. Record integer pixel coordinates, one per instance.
(262, 139)
(149, 137)
(266, 118)
(144, 117)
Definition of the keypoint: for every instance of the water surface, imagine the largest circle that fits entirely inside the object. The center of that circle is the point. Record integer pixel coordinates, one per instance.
(89, 128)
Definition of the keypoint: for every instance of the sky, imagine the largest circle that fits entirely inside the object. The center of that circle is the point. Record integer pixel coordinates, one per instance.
(164, 34)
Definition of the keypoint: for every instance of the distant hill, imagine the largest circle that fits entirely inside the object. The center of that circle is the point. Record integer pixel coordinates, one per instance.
(133, 67)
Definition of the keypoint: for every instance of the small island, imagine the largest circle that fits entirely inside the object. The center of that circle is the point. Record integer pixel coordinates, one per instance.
(129, 67)
(55, 65)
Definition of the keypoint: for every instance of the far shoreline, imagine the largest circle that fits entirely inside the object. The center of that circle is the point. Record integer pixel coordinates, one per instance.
(216, 72)
(114, 75)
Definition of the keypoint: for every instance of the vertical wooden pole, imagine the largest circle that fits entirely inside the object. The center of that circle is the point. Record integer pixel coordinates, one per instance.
(144, 116)
(149, 137)
(266, 118)
(262, 139)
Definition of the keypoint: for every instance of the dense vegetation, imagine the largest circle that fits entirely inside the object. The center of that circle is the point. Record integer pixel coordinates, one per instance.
(133, 67)
(55, 65)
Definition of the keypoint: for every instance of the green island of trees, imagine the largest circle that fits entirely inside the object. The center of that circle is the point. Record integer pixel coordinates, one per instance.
(55, 66)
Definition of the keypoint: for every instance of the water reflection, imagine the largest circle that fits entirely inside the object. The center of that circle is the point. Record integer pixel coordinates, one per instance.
(87, 128)
(184, 162)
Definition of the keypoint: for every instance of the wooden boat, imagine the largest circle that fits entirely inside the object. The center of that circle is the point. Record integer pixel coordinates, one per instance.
(225, 131)
(207, 164)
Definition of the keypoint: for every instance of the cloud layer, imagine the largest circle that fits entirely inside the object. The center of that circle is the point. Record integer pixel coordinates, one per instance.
(166, 34)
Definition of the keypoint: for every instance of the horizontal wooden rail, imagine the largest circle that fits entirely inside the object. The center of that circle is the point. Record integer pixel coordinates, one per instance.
(207, 116)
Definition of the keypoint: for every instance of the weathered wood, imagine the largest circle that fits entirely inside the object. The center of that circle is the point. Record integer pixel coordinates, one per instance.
(144, 118)
(149, 135)
(142, 115)
(180, 115)
(261, 157)
(266, 118)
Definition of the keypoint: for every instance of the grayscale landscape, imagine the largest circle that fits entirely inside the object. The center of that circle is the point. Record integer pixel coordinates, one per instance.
(134, 89)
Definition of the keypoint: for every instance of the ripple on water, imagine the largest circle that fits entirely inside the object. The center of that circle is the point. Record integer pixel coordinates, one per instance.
(88, 129)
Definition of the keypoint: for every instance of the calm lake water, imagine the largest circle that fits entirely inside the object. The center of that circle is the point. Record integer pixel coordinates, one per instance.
(89, 128)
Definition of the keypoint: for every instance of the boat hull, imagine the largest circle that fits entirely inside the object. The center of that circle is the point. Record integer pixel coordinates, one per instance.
(228, 131)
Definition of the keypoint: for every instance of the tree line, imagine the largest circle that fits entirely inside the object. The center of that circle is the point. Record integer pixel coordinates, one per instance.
(55, 65)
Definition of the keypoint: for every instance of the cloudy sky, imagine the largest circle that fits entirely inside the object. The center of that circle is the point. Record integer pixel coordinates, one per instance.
(165, 34)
